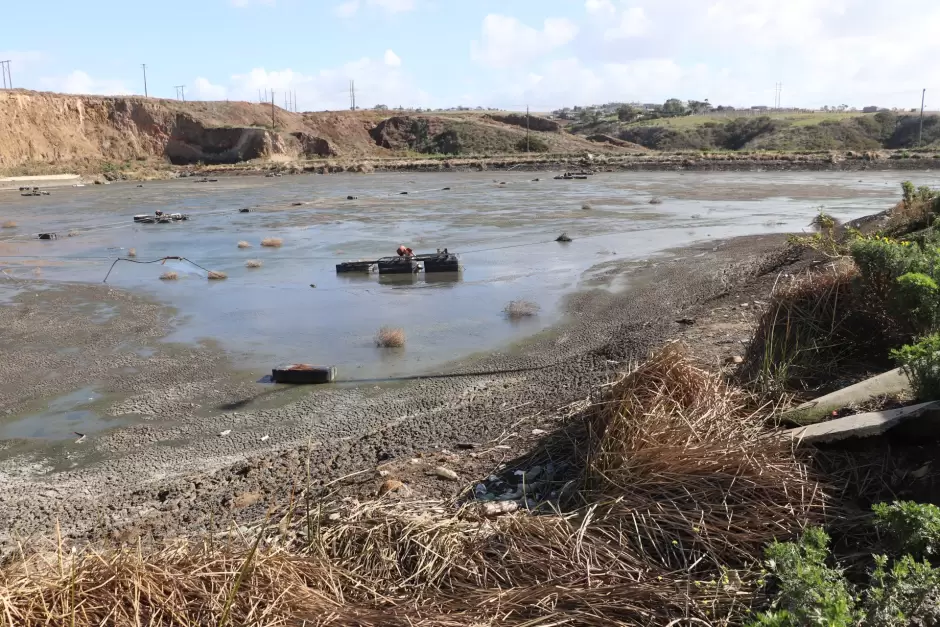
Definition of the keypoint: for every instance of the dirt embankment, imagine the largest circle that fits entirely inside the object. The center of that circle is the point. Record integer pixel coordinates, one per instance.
(49, 131)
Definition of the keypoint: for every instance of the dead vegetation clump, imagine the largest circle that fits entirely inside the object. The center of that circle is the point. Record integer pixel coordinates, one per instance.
(254, 263)
(390, 337)
(169, 275)
(564, 237)
(678, 493)
(517, 309)
(131, 252)
(244, 244)
(655, 200)
(586, 206)
(272, 242)
(9, 224)
(816, 326)
(216, 276)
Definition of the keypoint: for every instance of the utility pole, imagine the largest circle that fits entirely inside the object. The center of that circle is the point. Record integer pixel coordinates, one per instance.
(180, 92)
(920, 131)
(527, 128)
(144, 66)
(273, 122)
(5, 71)
(352, 95)
(295, 101)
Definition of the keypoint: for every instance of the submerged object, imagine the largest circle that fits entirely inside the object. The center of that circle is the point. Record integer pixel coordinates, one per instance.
(303, 374)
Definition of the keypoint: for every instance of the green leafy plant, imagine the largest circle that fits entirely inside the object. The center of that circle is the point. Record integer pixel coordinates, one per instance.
(919, 297)
(809, 591)
(921, 362)
(914, 527)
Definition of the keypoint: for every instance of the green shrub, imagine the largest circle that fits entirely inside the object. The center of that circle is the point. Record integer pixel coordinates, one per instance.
(881, 261)
(899, 592)
(809, 591)
(532, 144)
(919, 297)
(915, 527)
(921, 362)
(907, 192)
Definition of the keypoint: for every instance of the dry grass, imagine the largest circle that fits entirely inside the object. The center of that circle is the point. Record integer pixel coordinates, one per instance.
(254, 263)
(9, 224)
(390, 337)
(131, 252)
(169, 275)
(244, 244)
(665, 525)
(816, 325)
(521, 309)
(272, 242)
(216, 276)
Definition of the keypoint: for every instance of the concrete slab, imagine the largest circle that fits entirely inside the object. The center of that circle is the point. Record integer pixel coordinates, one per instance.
(870, 424)
(891, 382)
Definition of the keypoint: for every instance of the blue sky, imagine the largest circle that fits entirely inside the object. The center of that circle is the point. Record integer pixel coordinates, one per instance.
(437, 53)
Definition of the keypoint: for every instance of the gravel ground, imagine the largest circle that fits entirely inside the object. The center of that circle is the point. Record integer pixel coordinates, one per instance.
(208, 444)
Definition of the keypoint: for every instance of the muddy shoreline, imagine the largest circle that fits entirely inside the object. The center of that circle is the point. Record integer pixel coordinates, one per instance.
(178, 473)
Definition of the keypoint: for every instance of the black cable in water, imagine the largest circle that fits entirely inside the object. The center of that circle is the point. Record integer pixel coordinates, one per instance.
(160, 260)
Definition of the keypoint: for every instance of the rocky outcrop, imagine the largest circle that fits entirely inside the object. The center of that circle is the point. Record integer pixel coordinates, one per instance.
(535, 123)
(406, 132)
(313, 146)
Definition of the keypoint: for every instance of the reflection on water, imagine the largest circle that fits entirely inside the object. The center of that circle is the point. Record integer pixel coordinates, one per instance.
(504, 235)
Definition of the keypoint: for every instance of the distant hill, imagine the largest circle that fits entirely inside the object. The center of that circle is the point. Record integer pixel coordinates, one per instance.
(781, 132)
(38, 128)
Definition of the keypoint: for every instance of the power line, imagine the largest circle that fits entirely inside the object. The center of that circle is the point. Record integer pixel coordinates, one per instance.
(144, 66)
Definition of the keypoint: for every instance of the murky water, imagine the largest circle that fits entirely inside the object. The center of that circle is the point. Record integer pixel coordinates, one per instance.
(503, 233)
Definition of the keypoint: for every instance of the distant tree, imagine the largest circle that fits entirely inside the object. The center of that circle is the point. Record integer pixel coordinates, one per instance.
(381, 108)
(674, 108)
(627, 113)
(698, 108)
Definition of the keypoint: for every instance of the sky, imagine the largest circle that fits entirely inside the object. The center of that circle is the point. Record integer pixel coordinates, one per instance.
(505, 54)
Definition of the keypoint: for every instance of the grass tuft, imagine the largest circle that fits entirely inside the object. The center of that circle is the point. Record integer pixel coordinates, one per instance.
(672, 491)
(390, 337)
(169, 275)
(216, 276)
(244, 244)
(655, 200)
(521, 309)
(564, 237)
(586, 206)
(272, 242)
(254, 263)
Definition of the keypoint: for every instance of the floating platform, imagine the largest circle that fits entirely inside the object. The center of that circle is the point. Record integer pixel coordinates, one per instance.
(304, 374)
(444, 262)
(354, 266)
(397, 265)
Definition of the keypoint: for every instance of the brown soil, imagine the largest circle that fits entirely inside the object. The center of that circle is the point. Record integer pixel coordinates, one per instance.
(42, 132)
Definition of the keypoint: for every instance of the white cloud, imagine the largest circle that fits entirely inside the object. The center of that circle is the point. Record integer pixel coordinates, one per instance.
(79, 82)
(347, 9)
(633, 23)
(392, 59)
(378, 81)
(393, 6)
(204, 90)
(351, 7)
(508, 42)
(603, 7)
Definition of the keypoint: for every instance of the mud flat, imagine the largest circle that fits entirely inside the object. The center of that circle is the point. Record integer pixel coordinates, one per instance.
(183, 435)
(176, 471)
